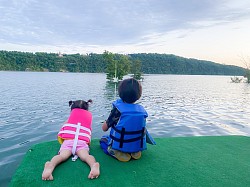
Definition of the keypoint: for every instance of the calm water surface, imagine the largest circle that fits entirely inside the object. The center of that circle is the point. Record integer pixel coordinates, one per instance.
(34, 105)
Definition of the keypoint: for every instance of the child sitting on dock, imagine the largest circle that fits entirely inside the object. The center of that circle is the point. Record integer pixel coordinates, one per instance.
(75, 137)
(127, 123)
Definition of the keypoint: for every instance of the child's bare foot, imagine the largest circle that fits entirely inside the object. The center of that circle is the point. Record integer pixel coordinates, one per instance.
(95, 171)
(47, 172)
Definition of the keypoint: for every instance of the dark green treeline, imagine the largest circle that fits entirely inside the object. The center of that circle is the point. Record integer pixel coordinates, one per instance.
(151, 63)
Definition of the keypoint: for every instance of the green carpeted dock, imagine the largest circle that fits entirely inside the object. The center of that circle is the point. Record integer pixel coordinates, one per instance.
(182, 161)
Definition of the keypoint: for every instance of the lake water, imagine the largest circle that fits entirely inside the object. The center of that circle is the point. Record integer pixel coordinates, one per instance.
(33, 106)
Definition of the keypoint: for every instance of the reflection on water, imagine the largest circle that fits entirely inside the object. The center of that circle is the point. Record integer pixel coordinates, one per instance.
(34, 105)
(111, 91)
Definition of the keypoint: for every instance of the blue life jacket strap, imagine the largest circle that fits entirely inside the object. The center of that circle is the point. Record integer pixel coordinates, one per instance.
(123, 132)
(128, 132)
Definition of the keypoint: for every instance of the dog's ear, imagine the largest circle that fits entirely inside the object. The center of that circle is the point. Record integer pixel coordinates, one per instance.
(70, 103)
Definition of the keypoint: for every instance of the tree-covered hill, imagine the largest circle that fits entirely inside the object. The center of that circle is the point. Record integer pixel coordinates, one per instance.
(151, 63)
(171, 64)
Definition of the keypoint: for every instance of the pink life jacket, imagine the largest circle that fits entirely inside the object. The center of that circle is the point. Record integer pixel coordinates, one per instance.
(78, 118)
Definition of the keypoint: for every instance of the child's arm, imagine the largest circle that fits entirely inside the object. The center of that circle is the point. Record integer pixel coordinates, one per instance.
(105, 126)
(112, 119)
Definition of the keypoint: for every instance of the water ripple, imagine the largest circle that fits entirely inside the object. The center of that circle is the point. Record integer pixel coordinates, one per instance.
(34, 105)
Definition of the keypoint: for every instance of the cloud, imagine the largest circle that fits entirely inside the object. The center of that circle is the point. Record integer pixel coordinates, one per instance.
(103, 24)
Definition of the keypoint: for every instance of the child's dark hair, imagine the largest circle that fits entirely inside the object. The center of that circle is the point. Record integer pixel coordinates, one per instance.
(130, 90)
(80, 104)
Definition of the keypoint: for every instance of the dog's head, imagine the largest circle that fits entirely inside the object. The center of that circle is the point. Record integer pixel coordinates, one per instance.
(80, 104)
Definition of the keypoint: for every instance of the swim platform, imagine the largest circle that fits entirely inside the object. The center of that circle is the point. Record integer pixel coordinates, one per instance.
(174, 161)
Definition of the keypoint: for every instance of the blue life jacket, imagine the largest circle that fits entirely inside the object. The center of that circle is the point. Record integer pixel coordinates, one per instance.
(129, 135)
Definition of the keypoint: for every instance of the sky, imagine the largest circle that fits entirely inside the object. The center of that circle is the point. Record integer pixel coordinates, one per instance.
(213, 30)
